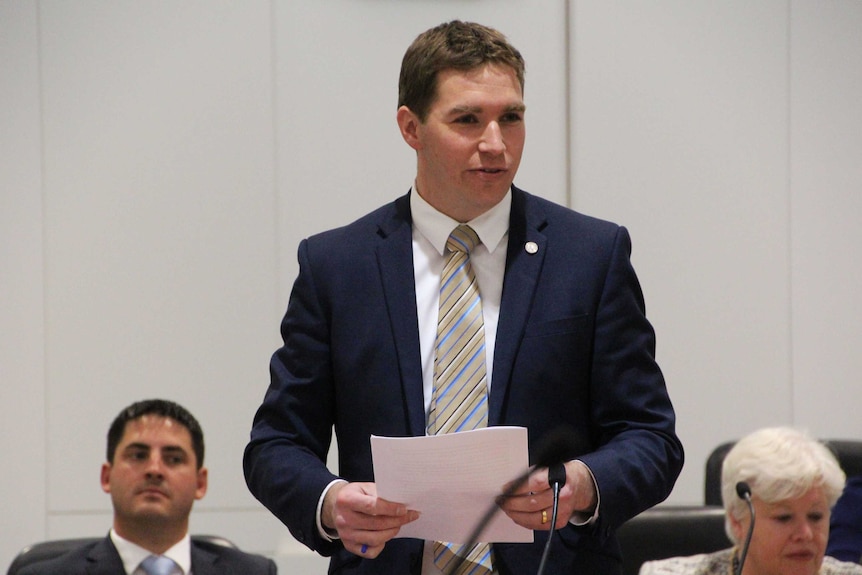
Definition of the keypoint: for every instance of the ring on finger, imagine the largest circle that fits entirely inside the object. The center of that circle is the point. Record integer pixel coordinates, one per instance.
(544, 516)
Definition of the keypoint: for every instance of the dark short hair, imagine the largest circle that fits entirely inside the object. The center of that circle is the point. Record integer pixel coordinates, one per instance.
(163, 408)
(454, 45)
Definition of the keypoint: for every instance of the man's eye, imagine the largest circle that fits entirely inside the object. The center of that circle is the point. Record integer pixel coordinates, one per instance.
(468, 119)
(512, 118)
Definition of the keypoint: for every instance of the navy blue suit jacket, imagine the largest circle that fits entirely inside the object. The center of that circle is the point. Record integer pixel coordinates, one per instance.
(573, 348)
(102, 558)
(845, 524)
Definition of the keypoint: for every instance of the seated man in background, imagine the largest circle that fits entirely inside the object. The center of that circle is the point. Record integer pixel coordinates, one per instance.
(845, 528)
(154, 473)
(794, 482)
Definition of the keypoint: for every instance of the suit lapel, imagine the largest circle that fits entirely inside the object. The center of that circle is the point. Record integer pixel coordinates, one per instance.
(394, 257)
(104, 559)
(203, 562)
(524, 259)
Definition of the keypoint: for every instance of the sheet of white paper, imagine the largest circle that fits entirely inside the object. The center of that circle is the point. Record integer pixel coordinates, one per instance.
(452, 480)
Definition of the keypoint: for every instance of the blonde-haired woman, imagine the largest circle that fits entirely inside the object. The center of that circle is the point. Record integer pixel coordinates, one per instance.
(794, 480)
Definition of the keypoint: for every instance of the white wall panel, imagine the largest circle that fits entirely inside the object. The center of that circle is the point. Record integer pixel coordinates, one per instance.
(680, 133)
(22, 358)
(826, 160)
(160, 265)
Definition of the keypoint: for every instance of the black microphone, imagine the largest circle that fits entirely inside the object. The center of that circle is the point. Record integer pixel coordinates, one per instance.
(744, 492)
(556, 479)
(554, 448)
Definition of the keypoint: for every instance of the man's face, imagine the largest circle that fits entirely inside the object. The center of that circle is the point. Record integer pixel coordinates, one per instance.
(154, 477)
(789, 536)
(469, 147)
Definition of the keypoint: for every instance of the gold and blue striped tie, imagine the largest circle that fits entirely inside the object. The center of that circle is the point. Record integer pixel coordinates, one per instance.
(459, 401)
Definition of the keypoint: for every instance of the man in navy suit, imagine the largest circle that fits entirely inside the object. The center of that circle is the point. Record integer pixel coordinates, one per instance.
(154, 473)
(566, 339)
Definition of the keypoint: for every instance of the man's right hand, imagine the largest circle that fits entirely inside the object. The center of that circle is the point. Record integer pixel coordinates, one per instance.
(363, 521)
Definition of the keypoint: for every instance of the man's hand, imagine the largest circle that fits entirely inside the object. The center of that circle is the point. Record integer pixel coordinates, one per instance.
(531, 505)
(364, 522)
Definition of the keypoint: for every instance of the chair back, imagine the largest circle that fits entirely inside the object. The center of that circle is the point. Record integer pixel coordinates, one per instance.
(848, 452)
(671, 531)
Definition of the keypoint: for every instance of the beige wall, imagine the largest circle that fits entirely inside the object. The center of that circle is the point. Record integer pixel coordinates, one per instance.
(160, 161)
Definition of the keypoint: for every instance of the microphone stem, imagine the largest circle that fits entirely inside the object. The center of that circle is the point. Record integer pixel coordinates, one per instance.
(748, 536)
(547, 549)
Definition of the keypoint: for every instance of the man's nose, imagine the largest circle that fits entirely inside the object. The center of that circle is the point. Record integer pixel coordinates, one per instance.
(492, 139)
(155, 466)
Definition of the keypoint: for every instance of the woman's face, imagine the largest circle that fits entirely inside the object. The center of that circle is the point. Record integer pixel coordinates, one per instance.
(789, 536)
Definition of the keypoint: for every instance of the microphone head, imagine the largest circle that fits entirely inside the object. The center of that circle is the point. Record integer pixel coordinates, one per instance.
(557, 446)
(743, 490)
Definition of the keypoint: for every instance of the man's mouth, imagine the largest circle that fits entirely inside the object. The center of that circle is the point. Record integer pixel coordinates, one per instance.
(152, 491)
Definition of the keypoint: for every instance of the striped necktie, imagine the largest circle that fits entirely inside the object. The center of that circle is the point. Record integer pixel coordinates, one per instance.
(459, 401)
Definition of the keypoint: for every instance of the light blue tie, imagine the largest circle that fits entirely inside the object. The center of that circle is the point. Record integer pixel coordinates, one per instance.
(459, 401)
(158, 565)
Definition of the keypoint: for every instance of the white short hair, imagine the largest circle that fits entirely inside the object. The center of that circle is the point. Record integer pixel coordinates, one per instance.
(778, 463)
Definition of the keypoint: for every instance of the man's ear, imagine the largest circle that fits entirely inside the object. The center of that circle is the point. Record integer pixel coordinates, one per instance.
(203, 480)
(409, 124)
(105, 477)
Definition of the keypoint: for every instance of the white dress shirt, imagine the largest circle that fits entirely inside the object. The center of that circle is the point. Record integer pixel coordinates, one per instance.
(431, 230)
(132, 554)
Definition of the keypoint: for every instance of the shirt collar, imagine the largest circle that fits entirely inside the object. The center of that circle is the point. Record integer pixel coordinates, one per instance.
(436, 226)
(132, 554)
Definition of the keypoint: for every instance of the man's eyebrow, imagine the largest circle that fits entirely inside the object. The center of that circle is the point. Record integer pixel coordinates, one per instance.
(465, 110)
(147, 447)
(478, 109)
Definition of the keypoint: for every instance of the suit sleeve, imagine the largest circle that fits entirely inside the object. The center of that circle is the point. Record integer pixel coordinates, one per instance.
(638, 455)
(284, 462)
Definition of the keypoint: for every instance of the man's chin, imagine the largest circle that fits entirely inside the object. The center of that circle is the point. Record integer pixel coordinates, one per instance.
(152, 512)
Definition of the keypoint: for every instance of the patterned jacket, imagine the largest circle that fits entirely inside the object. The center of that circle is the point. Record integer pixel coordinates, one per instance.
(721, 563)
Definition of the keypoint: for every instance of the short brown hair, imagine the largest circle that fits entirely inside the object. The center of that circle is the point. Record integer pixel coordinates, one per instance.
(454, 45)
(161, 408)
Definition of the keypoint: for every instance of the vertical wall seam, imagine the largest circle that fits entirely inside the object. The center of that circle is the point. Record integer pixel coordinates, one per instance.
(276, 202)
(569, 19)
(43, 191)
(789, 191)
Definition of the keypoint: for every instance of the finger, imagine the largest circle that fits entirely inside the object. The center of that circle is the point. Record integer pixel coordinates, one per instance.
(528, 502)
(363, 499)
(366, 550)
(388, 508)
(368, 543)
(535, 520)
